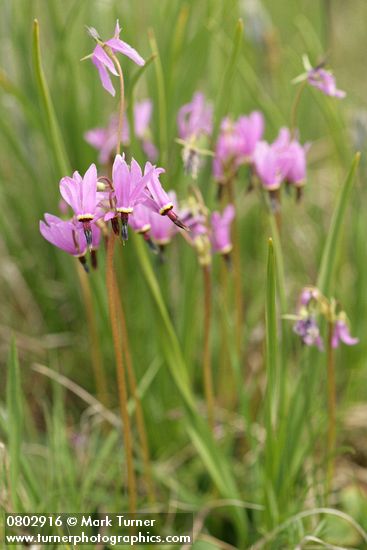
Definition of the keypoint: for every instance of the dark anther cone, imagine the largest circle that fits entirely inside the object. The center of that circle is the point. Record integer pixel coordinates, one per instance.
(176, 220)
(83, 261)
(115, 226)
(124, 226)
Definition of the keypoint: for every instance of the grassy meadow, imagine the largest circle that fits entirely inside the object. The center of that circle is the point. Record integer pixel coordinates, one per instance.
(280, 459)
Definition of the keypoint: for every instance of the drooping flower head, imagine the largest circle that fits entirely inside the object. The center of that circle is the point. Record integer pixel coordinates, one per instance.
(105, 139)
(221, 230)
(102, 60)
(158, 200)
(312, 304)
(320, 78)
(162, 228)
(341, 332)
(284, 160)
(236, 144)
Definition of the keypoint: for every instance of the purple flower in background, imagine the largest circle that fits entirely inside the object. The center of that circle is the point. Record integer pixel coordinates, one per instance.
(249, 130)
(341, 334)
(307, 295)
(236, 144)
(195, 119)
(105, 139)
(319, 78)
(104, 63)
(268, 166)
(221, 230)
(292, 157)
(140, 219)
(226, 151)
(324, 80)
(81, 194)
(309, 332)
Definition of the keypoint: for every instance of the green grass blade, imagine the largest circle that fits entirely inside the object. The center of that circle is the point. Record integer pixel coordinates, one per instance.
(224, 95)
(271, 339)
(52, 124)
(15, 424)
(162, 104)
(198, 431)
(329, 256)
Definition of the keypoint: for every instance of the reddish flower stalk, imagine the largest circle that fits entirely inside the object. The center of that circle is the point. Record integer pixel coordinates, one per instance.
(331, 394)
(236, 271)
(122, 101)
(133, 388)
(122, 390)
(96, 356)
(207, 367)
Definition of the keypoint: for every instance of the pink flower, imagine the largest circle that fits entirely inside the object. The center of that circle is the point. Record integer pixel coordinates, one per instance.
(129, 184)
(268, 166)
(249, 130)
(81, 194)
(68, 235)
(104, 63)
(158, 200)
(221, 230)
(292, 157)
(226, 151)
(105, 139)
(341, 334)
(195, 119)
(324, 80)
(140, 219)
(236, 144)
(283, 160)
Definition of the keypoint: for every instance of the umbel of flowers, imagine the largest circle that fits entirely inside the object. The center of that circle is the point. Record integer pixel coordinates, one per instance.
(313, 305)
(95, 201)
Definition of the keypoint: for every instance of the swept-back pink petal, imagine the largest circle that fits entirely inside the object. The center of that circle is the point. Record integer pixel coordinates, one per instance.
(121, 182)
(118, 45)
(104, 76)
(100, 55)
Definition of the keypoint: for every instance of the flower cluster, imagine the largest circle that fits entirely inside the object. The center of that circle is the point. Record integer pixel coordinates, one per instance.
(312, 304)
(283, 161)
(236, 144)
(105, 139)
(95, 201)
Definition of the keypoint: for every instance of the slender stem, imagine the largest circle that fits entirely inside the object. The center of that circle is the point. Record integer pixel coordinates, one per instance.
(236, 270)
(133, 388)
(331, 395)
(113, 310)
(207, 368)
(122, 101)
(96, 356)
(295, 106)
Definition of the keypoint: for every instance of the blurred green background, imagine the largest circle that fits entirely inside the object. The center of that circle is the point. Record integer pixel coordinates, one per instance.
(41, 299)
